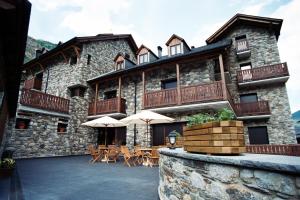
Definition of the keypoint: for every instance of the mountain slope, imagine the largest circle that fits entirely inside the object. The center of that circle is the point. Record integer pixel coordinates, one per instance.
(33, 44)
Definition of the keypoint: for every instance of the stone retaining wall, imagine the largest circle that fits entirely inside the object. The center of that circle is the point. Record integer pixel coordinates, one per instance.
(194, 176)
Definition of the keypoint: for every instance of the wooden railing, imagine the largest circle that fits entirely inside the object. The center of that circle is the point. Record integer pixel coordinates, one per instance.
(202, 92)
(242, 45)
(44, 101)
(252, 108)
(284, 149)
(107, 106)
(260, 73)
(161, 98)
(189, 94)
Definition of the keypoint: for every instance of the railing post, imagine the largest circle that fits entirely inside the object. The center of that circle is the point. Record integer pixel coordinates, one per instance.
(119, 95)
(222, 77)
(96, 99)
(178, 84)
(144, 89)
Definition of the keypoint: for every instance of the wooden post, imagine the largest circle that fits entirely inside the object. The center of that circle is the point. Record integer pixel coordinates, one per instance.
(144, 88)
(119, 95)
(223, 77)
(178, 84)
(96, 98)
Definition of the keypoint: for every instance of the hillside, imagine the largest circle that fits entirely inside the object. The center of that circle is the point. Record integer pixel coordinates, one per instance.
(33, 44)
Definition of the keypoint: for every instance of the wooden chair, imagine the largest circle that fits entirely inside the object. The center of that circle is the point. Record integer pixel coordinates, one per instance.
(154, 158)
(112, 154)
(94, 153)
(129, 158)
(140, 156)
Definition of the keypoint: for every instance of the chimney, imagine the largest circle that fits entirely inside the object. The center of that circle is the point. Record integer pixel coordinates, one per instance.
(192, 47)
(159, 51)
(38, 53)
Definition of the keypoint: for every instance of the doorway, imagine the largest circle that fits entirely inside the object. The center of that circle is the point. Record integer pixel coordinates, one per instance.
(258, 135)
(115, 136)
(161, 131)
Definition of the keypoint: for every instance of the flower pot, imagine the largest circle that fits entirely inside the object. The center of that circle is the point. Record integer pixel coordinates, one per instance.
(61, 130)
(218, 137)
(21, 125)
(6, 172)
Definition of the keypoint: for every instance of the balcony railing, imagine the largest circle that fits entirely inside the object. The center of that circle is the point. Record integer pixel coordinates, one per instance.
(252, 108)
(260, 73)
(242, 45)
(189, 94)
(113, 105)
(44, 101)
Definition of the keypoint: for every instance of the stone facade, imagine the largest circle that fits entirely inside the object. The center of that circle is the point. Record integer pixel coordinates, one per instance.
(203, 177)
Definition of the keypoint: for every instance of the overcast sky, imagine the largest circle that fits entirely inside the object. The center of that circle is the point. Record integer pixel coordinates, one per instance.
(152, 22)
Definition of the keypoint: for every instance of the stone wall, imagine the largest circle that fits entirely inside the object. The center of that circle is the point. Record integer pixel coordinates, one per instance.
(264, 51)
(186, 176)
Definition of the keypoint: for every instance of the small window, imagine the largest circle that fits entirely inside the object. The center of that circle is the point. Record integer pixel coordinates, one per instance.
(78, 91)
(169, 84)
(240, 37)
(143, 58)
(22, 123)
(245, 66)
(38, 81)
(73, 60)
(88, 59)
(120, 65)
(175, 49)
(62, 125)
(258, 135)
(248, 98)
(110, 94)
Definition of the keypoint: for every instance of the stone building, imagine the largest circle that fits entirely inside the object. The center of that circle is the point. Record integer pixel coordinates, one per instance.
(89, 77)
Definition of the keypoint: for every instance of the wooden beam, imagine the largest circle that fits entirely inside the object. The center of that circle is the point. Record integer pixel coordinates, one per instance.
(96, 98)
(77, 49)
(119, 95)
(144, 88)
(178, 84)
(224, 89)
(41, 66)
(62, 53)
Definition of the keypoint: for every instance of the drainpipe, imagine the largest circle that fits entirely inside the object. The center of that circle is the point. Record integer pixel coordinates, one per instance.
(134, 130)
(46, 86)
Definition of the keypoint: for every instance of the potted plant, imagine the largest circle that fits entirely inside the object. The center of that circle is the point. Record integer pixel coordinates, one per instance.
(7, 166)
(216, 133)
(21, 125)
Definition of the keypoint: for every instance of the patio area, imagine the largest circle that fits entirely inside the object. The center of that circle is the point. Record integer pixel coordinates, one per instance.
(74, 178)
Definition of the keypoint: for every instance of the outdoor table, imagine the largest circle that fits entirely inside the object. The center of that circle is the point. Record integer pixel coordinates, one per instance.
(145, 150)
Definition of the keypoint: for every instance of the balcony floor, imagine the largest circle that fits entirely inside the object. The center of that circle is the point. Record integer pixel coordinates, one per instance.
(114, 115)
(247, 117)
(264, 81)
(42, 111)
(193, 107)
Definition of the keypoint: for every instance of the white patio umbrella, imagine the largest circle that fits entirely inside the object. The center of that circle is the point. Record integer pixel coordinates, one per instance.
(147, 117)
(104, 122)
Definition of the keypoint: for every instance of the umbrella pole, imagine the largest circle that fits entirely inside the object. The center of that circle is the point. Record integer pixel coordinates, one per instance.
(105, 133)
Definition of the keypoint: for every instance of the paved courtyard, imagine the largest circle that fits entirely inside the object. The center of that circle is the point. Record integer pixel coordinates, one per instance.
(74, 178)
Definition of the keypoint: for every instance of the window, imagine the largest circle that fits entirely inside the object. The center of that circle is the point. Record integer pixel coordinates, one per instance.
(120, 65)
(241, 44)
(62, 125)
(245, 66)
(175, 49)
(169, 83)
(240, 37)
(258, 135)
(22, 123)
(88, 59)
(143, 58)
(73, 60)
(78, 91)
(38, 81)
(248, 98)
(110, 94)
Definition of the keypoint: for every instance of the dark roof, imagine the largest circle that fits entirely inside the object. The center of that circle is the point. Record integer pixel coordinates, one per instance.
(143, 46)
(270, 23)
(180, 38)
(79, 40)
(14, 22)
(165, 59)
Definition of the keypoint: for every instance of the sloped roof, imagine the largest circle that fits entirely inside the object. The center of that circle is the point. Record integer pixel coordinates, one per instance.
(143, 46)
(165, 59)
(79, 40)
(180, 38)
(238, 19)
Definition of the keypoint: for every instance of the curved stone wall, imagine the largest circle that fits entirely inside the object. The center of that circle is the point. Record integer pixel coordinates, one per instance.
(250, 176)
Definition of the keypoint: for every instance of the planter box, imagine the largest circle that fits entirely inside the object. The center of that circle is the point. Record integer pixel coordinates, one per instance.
(224, 137)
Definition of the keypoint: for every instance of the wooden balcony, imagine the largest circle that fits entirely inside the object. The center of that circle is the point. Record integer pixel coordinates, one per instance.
(33, 84)
(44, 101)
(260, 108)
(242, 48)
(114, 105)
(188, 95)
(261, 75)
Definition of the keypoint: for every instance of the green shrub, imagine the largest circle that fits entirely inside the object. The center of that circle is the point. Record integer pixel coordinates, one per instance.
(222, 115)
(8, 163)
